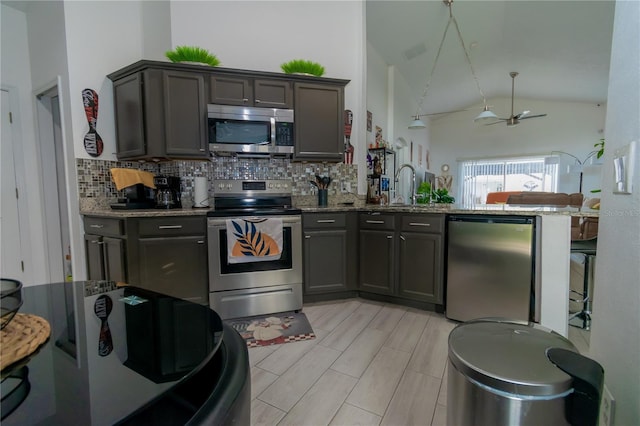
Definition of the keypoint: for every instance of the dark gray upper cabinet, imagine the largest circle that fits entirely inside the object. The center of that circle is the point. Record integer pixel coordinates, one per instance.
(319, 122)
(227, 90)
(161, 108)
(160, 114)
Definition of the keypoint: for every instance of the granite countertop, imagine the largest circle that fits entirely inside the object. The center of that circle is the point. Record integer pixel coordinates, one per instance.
(497, 209)
(309, 204)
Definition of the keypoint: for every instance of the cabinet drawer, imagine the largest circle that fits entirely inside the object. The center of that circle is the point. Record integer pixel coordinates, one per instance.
(376, 221)
(166, 226)
(423, 223)
(324, 220)
(104, 226)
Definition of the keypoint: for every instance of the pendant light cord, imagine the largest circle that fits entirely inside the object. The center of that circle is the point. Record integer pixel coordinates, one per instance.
(466, 54)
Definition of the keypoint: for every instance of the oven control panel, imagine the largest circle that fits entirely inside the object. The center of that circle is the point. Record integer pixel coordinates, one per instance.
(255, 187)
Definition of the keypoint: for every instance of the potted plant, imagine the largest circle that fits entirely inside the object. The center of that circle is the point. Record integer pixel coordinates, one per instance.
(427, 195)
(192, 54)
(301, 66)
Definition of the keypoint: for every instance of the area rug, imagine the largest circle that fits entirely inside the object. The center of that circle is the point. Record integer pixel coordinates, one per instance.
(274, 329)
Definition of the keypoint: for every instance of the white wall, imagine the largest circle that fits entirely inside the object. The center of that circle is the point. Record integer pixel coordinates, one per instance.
(261, 35)
(101, 37)
(377, 95)
(615, 335)
(392, 105)
(568, 126)
(16, 77)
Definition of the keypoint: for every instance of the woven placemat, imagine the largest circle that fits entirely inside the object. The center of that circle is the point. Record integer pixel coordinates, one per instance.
(22, 337)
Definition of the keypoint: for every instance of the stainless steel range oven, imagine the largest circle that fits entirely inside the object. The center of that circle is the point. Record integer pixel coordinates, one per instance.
(262, 286)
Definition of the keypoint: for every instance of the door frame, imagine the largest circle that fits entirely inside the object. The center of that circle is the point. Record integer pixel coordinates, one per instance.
(51, 218)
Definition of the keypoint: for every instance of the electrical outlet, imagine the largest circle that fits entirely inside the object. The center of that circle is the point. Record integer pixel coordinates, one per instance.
(607, 408)
(346, 186)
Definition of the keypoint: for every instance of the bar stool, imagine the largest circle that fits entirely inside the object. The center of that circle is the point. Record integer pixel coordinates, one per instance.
(582, 318)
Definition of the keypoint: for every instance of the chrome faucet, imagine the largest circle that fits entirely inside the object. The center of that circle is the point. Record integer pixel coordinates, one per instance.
(413, 181)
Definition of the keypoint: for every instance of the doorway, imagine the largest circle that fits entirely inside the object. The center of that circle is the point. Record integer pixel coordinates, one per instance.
(54, 187)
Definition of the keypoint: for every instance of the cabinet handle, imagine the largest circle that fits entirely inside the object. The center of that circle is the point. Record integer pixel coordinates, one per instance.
(377, 222)
(419, 224)
(257, 101)
(96, 226)
(170, 227)
(97, 242)
(245, 100)
(326, 221)
(201, 150)
(403, 238)
(200, 241)
(307, 237)
(389, 237)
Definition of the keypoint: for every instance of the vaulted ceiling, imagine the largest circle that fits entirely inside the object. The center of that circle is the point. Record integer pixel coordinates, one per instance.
(560, 48)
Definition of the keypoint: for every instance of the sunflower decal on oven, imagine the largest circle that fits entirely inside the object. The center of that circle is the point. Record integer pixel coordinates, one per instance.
(255, 239)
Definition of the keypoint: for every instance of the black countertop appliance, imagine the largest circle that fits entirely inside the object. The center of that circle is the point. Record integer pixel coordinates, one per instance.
(167, 192)
(136, 196)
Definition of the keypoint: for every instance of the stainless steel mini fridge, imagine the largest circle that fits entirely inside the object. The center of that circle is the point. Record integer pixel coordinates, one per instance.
(490, 267)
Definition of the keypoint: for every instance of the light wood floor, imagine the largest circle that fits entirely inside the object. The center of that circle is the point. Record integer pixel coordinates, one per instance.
(370, 364)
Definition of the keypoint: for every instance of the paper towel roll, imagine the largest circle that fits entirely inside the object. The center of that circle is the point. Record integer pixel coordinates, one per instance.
(201, 193)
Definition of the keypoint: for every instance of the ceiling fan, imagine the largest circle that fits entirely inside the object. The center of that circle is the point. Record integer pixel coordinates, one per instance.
(515, 119)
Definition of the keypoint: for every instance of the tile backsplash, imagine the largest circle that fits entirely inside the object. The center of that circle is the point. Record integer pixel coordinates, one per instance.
(94, 177)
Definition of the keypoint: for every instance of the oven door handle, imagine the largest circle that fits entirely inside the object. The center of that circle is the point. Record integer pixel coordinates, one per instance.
(222, 222)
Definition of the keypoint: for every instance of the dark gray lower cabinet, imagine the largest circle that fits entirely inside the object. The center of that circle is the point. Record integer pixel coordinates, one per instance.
(105, 249)
(164, 254)
(329, 252)
(377, 253)
(175, 266)
(402, 256)
(170, 257)
(420, 267)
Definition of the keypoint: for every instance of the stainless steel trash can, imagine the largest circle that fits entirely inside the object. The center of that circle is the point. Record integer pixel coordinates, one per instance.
(504, 372)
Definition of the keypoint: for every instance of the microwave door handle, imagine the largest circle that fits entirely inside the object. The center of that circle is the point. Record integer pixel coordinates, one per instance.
(273, 130)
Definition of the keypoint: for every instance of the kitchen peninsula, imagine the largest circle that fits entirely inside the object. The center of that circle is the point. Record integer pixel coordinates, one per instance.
(552, 250)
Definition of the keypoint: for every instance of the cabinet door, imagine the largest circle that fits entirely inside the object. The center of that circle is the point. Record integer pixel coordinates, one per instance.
(114, 259)
(325, 255)
(129, 117)
(420, 266)
(175, 266)
(272, 94)
(230, 91)
(376, 261)
(95, 257)
(319, 122)
(185, 115)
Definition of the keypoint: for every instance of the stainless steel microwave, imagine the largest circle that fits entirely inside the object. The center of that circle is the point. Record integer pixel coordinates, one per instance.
(250, 130)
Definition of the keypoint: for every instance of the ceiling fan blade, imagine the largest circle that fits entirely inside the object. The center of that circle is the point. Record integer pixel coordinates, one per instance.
(522, 114)
(496, 122)
(533, 116)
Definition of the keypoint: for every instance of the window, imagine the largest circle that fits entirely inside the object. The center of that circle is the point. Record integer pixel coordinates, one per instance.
(479, 177)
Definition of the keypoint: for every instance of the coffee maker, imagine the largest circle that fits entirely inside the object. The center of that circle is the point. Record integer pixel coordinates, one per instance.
(167, 192)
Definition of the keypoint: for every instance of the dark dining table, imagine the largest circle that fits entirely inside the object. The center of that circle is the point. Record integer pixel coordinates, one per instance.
(129, 356)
